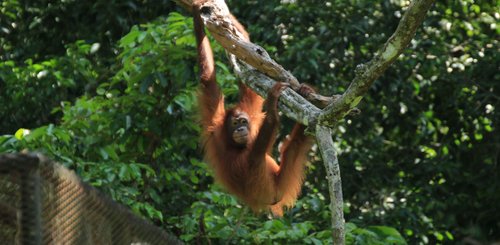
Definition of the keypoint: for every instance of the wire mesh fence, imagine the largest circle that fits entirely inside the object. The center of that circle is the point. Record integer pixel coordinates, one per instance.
(42, 202)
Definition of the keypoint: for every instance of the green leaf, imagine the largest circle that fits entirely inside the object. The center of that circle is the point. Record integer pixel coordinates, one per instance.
(104, 153)
(20, 133)
(449, 235)
(439, 236)
(124, 173)
(110, 151)
(194, 179)
(129, 39)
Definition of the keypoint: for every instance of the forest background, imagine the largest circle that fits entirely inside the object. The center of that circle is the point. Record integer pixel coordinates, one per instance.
(108, 88)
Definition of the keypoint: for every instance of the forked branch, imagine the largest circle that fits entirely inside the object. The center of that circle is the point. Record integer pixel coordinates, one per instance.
(216, 16)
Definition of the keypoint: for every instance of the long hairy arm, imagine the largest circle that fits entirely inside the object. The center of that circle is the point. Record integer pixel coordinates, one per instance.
(211, 100)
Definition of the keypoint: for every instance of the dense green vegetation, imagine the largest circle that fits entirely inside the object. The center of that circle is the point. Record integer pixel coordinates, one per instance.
(109, 89)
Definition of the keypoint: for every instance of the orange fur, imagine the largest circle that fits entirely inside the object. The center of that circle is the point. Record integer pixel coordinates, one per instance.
(249, 173)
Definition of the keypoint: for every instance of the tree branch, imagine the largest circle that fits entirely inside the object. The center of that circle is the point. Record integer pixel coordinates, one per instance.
(291, 103)
(216, 17)
(329, 155)
(367, 73)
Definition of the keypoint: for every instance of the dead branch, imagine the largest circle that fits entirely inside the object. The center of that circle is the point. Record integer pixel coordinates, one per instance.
(217, 18)
(218, 21)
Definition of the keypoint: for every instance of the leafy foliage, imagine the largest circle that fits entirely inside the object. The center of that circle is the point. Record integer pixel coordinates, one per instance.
(115, 100)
